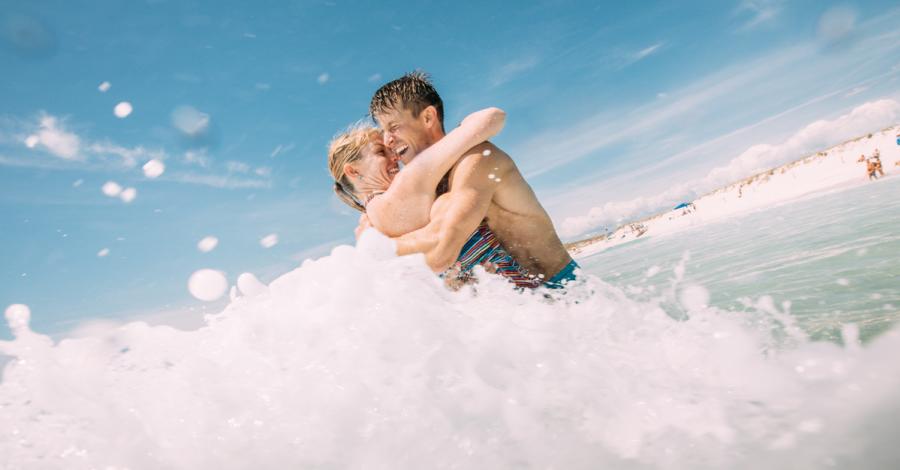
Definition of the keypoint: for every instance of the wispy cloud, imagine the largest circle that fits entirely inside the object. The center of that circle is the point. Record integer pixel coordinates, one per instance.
(237, 167)
(47, 143)
(218, 181)
(510, 70)
(643, 53)
(128, 157)
(756, 13)
(198, 158)
(582, 138)
(48, 137)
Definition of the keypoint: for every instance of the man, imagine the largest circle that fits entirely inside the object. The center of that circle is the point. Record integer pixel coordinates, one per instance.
(484, 186)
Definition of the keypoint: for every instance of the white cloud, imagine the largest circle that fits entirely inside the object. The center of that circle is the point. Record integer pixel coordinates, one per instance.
(323, 78)
(263, 171)
(374, 77)
(53, 137)
(816, 136)
(811, 138)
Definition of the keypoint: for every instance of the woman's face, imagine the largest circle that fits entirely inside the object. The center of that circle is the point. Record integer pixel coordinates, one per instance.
(377, 165)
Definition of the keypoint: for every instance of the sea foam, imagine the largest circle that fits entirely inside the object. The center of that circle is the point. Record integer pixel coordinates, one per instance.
(363, 360)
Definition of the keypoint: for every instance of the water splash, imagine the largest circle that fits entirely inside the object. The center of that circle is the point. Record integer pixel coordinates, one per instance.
(363, 360)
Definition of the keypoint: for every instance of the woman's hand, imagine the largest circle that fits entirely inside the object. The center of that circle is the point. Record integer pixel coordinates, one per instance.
(485, 123)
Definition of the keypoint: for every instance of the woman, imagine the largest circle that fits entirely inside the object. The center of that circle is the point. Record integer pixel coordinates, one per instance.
(368, 178)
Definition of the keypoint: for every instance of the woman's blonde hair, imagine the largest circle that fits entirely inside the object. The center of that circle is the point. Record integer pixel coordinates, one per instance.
(347, 148)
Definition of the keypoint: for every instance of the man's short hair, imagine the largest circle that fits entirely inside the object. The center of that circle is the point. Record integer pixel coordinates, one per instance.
(412, 91)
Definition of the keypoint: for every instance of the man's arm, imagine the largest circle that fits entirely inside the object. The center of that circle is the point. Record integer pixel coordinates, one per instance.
(407, 202)
(468, 201)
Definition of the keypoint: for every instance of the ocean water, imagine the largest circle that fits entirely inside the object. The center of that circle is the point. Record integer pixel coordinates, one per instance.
(362, 360)
(835, 257)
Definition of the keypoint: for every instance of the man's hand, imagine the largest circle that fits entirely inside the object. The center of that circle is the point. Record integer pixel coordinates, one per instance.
(363, 225)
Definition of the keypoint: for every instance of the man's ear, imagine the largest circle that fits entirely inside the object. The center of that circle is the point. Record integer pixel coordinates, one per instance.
(430, 117)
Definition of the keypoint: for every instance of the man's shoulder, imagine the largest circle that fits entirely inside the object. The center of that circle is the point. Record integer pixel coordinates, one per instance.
(484, 155)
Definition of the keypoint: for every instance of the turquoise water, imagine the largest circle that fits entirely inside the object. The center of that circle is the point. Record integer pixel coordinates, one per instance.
(835, 257)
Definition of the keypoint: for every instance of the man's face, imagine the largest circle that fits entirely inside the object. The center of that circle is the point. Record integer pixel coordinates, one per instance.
(404, 134)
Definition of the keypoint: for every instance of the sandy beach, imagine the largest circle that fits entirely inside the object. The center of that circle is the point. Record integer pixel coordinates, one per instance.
(832, 169)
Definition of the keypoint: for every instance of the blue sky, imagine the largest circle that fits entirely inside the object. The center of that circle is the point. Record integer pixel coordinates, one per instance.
(606, 101)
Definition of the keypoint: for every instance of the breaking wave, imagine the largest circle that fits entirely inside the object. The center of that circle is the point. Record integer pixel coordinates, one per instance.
(362, 360)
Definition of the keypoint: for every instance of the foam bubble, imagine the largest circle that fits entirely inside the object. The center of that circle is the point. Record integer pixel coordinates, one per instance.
(207, 284)
(269, 240)
(123, 110)
(190, 120)
(127, 195)
(154, 168)
(207, 244)
(111, 188)
(250, 286)
(17, 317)
(836, 24)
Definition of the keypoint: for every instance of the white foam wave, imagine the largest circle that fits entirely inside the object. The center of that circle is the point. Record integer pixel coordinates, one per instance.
(363, 360)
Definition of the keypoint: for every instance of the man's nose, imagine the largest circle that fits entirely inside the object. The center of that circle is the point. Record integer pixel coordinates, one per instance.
(388, 139)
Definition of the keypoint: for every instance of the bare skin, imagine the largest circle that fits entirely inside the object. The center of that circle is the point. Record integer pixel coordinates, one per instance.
(484, 185)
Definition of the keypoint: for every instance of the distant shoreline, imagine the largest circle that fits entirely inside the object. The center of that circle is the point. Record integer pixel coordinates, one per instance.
(837, 166)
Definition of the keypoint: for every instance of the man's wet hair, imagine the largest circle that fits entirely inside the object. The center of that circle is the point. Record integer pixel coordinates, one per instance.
(413, 92)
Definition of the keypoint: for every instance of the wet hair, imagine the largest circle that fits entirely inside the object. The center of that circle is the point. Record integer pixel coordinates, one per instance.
(413, 92)
(346, 148)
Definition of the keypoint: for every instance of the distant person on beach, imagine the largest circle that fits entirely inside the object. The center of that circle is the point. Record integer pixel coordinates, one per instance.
(465, 205)
(871, 169)
(873, 165)
(876, 157)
